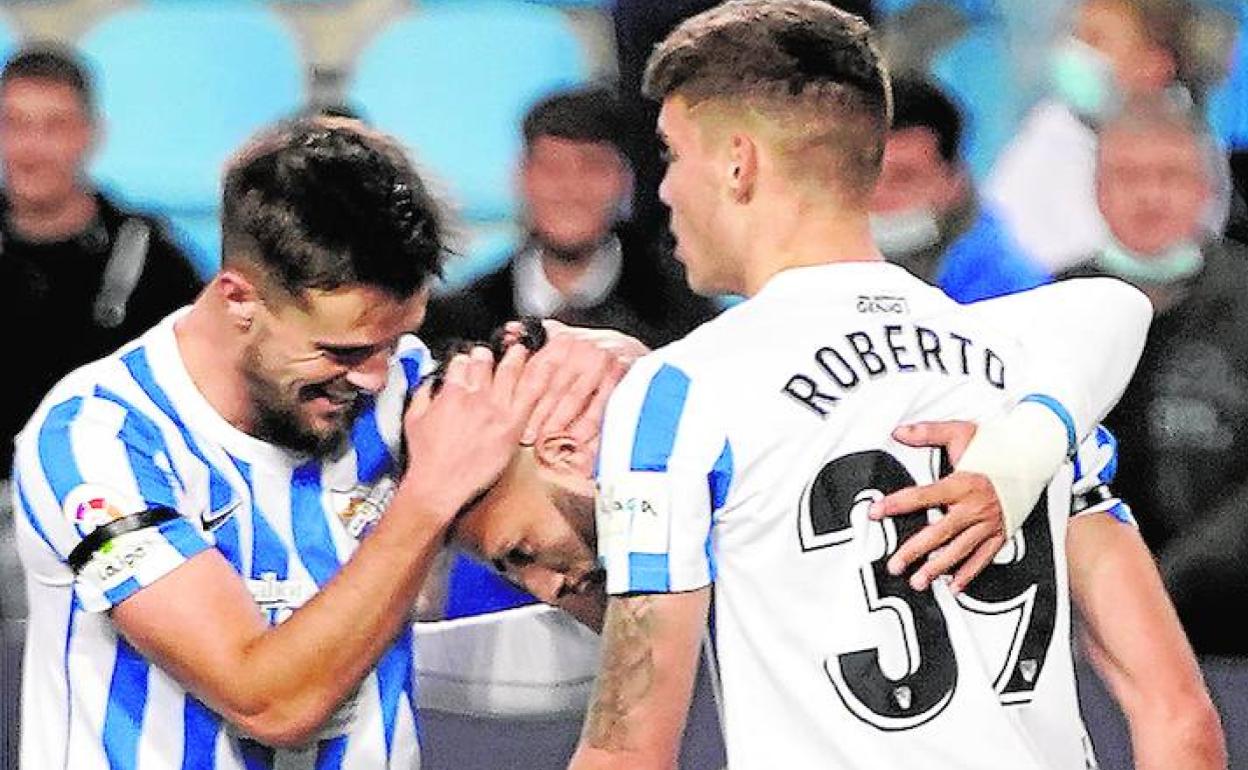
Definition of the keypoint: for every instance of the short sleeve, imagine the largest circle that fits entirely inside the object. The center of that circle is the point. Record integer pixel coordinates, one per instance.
(664, 470)
(1096, 463)
(94, 479)
(414, 361)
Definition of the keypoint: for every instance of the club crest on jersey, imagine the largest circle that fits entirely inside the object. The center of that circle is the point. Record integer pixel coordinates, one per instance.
(361, 506)
(89, 506)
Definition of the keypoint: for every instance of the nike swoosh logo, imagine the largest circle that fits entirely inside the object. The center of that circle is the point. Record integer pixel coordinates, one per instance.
(213, 519)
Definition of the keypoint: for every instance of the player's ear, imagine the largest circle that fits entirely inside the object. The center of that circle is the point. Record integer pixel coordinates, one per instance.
(240, 296)
(565, 454)
(742, 170)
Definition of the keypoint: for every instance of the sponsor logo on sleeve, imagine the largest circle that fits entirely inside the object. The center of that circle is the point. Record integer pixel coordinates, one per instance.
(90, 506)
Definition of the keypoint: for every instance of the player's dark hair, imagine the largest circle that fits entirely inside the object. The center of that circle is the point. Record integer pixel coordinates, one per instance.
(799, 62)
(588, 114)
(919, 103)
(54, 63)
(322, 203)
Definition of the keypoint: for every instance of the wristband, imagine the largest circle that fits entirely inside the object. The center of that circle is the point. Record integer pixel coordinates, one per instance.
(1019, 453)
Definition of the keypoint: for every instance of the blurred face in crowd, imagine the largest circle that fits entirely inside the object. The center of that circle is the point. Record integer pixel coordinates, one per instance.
(915, 176)
(46, 133)
(1152, 186)
(536, 526)
(310, 363)
(1116, 30)
(572, 192)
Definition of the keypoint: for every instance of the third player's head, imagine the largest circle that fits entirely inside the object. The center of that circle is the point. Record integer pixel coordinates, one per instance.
(330, 240)
(769, 108)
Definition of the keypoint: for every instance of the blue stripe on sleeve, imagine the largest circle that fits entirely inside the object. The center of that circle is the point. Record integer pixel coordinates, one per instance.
(56, 453)
(330, 753)
(28, 512)
(372, 456)
(659, 419)
(720, 477)
(1055, 406)
(184, 537)
(201, 726)
(144, 442)
(123, 717)
(219, 491)
(313, 540)
(648, 572)
(393, 672)
(1122, 512)
(411, 362)
(124, 590)
(1105, 438)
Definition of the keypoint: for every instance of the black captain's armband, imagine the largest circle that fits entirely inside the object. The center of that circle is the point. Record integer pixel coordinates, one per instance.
(100, 536)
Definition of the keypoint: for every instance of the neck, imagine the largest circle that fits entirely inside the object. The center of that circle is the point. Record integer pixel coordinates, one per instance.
(57, 220)
(205, 337)
(804, 234)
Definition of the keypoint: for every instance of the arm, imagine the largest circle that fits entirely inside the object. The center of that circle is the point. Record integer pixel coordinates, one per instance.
(280, 684)
(1153, 675)
(649, 661)
(1083, 339)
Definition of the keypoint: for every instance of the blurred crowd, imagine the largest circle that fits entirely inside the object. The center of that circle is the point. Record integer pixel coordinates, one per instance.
(1031, 142)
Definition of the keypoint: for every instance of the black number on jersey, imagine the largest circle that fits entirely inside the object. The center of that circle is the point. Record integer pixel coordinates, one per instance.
(833, 503)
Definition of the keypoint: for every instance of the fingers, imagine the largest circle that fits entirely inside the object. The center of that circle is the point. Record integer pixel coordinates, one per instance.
(952, 435)
(479, 370)
(914, 499)
(977, 562)
(944, 560)
(508, 373)
(928, 539)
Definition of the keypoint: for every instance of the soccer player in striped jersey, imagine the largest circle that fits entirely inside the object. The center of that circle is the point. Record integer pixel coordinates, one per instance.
(749, 454)
(212, 582)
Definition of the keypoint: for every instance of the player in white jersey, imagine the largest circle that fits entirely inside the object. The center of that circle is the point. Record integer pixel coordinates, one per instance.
(547, 545)
(748, 454)
(212, 582)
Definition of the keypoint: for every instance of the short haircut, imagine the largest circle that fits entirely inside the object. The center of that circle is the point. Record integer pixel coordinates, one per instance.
(54, 63)
(919, 103)
(324, 203)
(808, 68)
(588, 114)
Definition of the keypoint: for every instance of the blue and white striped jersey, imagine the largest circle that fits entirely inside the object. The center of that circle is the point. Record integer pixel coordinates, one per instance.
(748, 454)
(131, 433)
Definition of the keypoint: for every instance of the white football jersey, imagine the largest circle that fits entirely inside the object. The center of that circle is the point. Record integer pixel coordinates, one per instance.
(123, 474)
(747, 455)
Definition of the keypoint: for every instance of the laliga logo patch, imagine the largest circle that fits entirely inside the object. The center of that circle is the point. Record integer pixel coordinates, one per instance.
(90, 506)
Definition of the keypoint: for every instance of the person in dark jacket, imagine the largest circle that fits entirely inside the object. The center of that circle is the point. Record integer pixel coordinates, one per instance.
(579, 262)
(1183, 421)
(81, 274)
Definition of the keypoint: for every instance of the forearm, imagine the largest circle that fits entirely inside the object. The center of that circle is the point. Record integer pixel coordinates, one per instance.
(307, 665)
(1152, 673)
(641, 698)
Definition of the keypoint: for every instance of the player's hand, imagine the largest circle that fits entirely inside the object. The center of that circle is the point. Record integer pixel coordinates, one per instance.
(972, 530)
(461, 439)
(572, 377)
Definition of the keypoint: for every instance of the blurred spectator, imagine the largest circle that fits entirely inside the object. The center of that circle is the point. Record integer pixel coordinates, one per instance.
(925, 214)
(81, 275)
(579, 263)
(1118, 50)
(1183, 421)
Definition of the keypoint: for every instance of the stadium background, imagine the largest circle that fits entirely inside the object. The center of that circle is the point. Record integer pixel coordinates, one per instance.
(182, 82)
